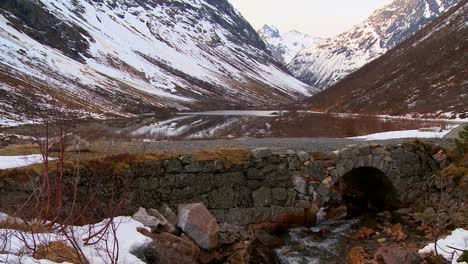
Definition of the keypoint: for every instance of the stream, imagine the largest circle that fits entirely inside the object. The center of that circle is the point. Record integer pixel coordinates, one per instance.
(325, 243)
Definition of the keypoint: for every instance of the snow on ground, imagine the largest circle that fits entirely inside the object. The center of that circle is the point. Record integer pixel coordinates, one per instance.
(403, 134)
(126, 236)
(458, 239)
(9, 162)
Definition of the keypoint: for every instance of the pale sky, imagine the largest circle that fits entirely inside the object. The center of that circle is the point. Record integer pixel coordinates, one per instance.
(321, 18)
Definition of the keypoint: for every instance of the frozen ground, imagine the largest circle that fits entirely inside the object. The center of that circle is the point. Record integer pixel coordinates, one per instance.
(403, 134)
(8, 162)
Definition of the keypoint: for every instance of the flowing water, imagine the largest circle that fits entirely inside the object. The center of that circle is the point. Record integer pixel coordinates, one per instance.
(326, 243)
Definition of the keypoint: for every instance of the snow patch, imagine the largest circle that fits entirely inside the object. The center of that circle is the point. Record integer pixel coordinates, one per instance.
(458, 239)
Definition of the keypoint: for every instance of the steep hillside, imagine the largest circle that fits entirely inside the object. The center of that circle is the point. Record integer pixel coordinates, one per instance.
(426, 74)
(285, 46)
(125, 57)
(325, 64)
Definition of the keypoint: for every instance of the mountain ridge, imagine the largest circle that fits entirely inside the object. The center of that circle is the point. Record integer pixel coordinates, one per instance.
(325, 64)
(284, 46)
(123, 58)
(424, 75)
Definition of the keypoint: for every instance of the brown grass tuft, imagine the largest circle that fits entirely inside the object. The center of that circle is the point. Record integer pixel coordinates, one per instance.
(24, 227)
(58, 252)
(229, 156)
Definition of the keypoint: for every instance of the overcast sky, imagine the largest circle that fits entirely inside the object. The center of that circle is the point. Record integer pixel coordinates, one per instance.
(323, 18)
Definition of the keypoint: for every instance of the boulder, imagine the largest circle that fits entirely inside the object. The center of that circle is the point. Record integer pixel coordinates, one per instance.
(167, 248)
(71, 143)
(168, 213)
(268, 239)
(395, 255)
(164, 224)
(199, 224)
(148, 220)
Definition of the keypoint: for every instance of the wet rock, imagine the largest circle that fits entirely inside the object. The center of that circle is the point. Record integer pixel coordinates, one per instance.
(364, 234)
(261, 254)
(268, 239)
(167, 248)
(199, 224)
(394, 255)
(356, 255)
(311, 215)
(289, 216)
(337, 213)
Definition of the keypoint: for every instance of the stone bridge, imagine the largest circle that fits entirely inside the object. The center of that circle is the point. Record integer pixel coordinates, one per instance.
(272, 186)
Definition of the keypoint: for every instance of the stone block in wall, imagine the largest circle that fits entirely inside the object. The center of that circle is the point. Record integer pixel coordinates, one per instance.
(260, 153)
(254, 185)
(279, 194)
(223, 198)
(275, 159)
(213, 166)
(243, 216)
(293, 162)
(194, 167)
(255, 174)
(200, 183)
(278, 178)
(303, 156)
(173, 166)
(262, 197)
(228, 179)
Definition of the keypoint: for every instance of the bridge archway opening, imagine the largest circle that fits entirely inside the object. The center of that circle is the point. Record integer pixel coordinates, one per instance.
(367, 189)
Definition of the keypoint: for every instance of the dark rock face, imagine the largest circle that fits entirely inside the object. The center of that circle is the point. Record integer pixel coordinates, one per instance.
(33, 19)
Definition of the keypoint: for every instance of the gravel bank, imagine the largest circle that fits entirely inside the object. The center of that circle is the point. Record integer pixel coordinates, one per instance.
(305, 144)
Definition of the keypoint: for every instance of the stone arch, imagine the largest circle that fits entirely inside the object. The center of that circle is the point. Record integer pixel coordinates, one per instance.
(363, 187)
(364, 156)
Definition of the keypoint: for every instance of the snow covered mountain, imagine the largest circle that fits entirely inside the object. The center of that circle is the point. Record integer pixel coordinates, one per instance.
(123, 57)
(325, 64)
(285, 46)
(426, 74)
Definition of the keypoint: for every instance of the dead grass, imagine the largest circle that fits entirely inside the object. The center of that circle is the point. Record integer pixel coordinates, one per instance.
(16, 150)
(229, 156)
(24, 227)
(58, 252)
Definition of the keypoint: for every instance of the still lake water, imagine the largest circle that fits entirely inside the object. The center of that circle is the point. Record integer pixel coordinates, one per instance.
(241, 124)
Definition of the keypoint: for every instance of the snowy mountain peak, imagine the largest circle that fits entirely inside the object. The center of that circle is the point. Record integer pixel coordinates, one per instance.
(323, 65)
(284, 46)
